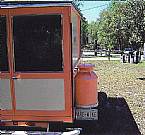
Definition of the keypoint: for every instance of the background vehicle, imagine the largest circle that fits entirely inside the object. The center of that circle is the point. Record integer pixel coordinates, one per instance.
(128, 50)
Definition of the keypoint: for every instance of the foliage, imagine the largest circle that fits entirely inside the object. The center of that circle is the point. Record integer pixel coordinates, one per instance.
(77, 3)
(121, 25)
(105, 32)
(135, 16)
(92, 30)
(84, 32)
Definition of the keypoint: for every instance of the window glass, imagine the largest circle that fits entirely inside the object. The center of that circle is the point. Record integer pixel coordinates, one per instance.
(3, 45)
(38, 43)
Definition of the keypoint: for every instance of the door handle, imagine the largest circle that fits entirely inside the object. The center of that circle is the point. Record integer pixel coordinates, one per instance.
(14, 77)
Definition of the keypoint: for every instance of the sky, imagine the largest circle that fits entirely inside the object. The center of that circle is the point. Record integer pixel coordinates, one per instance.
(92, 9)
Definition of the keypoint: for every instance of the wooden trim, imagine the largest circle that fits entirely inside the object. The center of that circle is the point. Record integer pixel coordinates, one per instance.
(38, 75)
(10, 40)
(4, 75)
(67, 61)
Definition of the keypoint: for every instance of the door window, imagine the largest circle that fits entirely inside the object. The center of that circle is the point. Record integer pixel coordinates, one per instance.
(37, 43)
(3, 45)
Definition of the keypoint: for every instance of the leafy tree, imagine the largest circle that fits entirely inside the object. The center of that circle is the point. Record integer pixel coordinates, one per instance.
(84, 25)
(84, 32)
(118, 21)
(136, 23)
(106, 33)
(92, 30)
(122, 25)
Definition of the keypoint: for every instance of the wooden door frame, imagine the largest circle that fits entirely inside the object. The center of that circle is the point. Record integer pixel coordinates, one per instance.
(25, 115)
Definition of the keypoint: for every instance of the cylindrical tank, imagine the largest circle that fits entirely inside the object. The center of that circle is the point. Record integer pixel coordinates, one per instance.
(86, 86)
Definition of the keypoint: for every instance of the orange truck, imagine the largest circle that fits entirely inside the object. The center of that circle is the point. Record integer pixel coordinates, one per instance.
(39, 53)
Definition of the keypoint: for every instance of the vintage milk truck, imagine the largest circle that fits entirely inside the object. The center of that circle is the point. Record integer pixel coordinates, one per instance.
(39, 58)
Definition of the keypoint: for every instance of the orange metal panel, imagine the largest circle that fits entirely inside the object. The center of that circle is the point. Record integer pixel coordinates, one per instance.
(36, 118)
(6, 112)
(3, 11)
(40, 113)
(36, 10)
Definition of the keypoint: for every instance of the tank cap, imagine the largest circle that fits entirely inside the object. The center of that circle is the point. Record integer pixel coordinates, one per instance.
(86, 66)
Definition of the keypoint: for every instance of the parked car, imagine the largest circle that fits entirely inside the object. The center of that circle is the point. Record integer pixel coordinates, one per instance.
(117, 51)
(128, 50)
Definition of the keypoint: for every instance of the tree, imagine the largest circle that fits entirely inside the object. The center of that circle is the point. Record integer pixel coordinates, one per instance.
(119, 21)
(122, 25)
(106, 33)
(92, 30)
(84, 33)
(136, 23)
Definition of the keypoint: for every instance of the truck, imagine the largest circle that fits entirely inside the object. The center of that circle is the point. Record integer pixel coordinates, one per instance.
(39, 58)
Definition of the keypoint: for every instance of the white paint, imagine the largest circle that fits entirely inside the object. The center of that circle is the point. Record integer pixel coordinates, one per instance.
(40, 94)
(5, 94)
(19, 133)
(74, 132)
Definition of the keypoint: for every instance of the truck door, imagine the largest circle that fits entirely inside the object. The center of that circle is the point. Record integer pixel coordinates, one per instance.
(37, 47)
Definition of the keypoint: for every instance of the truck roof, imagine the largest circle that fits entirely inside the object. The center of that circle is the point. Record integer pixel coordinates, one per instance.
(19, 4)
(22, 4)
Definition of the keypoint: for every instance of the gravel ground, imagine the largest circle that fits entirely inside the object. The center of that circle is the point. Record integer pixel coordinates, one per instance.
(124, 85)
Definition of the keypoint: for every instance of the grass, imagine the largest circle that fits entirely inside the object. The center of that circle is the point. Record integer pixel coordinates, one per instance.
(141, 64)
(124, 80)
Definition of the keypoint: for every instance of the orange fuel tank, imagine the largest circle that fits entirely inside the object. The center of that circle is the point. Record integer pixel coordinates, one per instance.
(86, 86)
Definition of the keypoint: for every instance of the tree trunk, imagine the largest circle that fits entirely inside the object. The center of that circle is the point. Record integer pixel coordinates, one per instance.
(109, 54)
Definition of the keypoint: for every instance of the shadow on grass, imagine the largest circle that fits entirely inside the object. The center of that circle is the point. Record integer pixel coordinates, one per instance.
(115, 118)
